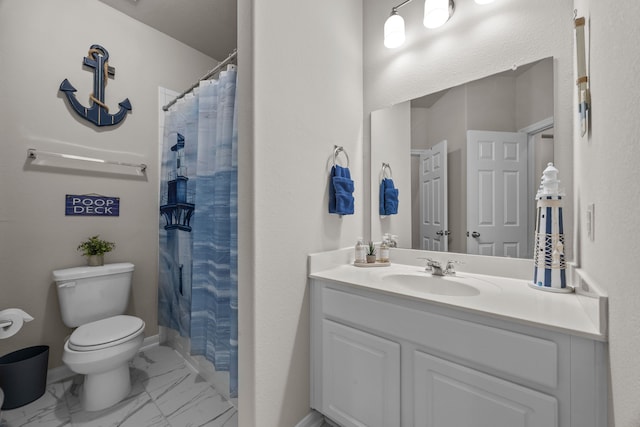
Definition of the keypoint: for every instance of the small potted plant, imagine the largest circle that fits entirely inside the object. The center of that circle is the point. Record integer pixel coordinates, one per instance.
(94, 248)
(371, 253)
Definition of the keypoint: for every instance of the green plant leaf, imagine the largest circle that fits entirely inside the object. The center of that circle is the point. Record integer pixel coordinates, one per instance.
(94, 245)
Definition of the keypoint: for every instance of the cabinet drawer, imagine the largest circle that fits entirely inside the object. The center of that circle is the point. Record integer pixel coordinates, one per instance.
(447, 394)
(517, 355)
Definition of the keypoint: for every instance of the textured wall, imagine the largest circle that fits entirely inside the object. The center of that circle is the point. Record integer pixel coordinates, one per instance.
(605, 167)
(41, 44)
(607, 175)
(305, 95)
(478, 41)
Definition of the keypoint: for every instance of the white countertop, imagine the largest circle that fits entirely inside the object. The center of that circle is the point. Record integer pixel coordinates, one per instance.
(503, 297)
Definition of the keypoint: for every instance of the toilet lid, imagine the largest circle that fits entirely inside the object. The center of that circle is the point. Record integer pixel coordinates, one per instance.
(105, 333)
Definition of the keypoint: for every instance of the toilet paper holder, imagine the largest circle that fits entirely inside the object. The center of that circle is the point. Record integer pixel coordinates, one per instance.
(11, 321)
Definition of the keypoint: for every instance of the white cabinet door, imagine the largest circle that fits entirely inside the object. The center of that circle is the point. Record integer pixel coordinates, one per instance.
(361, 377)
(447, 394)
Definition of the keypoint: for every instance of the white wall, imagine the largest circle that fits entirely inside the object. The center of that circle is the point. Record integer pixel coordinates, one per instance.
(419, 127)
(41, 44)
(391, 131)
(490, 104)
(534, 94)
(606, 174)
(303, 90)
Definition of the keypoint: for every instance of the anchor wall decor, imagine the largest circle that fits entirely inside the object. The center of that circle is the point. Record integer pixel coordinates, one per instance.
(98, 113)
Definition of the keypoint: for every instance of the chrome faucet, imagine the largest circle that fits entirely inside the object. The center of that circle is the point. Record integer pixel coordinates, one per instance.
(436, 269)
(450, 269)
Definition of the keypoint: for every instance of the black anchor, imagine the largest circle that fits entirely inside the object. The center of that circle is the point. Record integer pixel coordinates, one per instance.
(98, 113)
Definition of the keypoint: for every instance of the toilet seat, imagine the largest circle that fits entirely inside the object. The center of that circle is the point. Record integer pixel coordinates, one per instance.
(105, 333)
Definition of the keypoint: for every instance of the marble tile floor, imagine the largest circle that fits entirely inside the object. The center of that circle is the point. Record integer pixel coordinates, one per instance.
(165, 392)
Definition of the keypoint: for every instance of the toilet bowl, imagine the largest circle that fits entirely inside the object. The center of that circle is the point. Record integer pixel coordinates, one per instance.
(92, 300)
(101, 351)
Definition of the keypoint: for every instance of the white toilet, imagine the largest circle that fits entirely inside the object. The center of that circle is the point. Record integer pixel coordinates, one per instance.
(92, 299)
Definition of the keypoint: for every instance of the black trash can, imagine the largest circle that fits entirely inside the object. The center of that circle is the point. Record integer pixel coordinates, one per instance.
(23, 375)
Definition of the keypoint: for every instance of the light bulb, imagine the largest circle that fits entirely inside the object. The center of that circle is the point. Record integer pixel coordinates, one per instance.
(436, 13)
(394, 31)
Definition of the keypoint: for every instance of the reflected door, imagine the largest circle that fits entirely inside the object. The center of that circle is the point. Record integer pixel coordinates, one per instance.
(433, 198)
(497, 193)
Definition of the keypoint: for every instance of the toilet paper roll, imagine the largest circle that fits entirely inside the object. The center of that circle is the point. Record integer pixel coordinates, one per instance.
(17, 318)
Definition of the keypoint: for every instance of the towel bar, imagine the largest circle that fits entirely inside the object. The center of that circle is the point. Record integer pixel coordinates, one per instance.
(33, 154)
(337, 150)
(386, 167)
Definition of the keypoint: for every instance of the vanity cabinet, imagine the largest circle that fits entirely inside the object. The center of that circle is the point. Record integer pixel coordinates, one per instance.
(384, 360)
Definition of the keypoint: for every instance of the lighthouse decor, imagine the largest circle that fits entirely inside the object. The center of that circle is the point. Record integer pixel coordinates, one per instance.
(549, 262)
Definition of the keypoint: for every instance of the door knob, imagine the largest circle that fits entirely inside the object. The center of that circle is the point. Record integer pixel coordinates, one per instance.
(475, 234)
(443, 233)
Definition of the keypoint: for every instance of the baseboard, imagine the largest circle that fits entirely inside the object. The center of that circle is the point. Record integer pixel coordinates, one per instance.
(149, 342)
(63, 372)
(60, 373)
(219, 380)
(312, 419)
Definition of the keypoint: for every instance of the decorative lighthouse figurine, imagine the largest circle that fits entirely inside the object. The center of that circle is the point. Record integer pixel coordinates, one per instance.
(549, 262)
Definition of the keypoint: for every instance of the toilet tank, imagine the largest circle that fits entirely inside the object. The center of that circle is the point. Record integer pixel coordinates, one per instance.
(86, 294)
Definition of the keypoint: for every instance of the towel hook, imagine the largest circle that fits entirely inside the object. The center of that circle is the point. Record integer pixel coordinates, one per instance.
(337, 150)
(385, 167)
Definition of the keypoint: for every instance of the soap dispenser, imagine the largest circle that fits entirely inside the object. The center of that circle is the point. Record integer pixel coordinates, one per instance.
(360, 252)
(384, 249)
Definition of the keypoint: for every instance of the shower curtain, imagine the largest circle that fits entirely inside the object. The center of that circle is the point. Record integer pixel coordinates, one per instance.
(198, 281)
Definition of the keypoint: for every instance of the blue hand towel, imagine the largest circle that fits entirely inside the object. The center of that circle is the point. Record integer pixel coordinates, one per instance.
(388, 197)
(341, 191)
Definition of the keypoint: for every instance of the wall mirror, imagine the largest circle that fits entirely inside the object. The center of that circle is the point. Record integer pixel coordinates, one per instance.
(471, 158)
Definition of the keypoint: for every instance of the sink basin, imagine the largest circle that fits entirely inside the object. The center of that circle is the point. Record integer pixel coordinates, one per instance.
(447, 285)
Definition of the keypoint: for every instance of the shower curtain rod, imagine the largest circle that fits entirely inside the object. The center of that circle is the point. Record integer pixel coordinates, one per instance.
(231, 58)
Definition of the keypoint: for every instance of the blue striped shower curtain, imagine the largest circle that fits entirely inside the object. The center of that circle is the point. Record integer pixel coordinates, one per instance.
(198, 283)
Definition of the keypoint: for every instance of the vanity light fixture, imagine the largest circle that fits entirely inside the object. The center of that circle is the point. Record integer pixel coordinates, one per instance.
(394, 29)
(436, 14)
